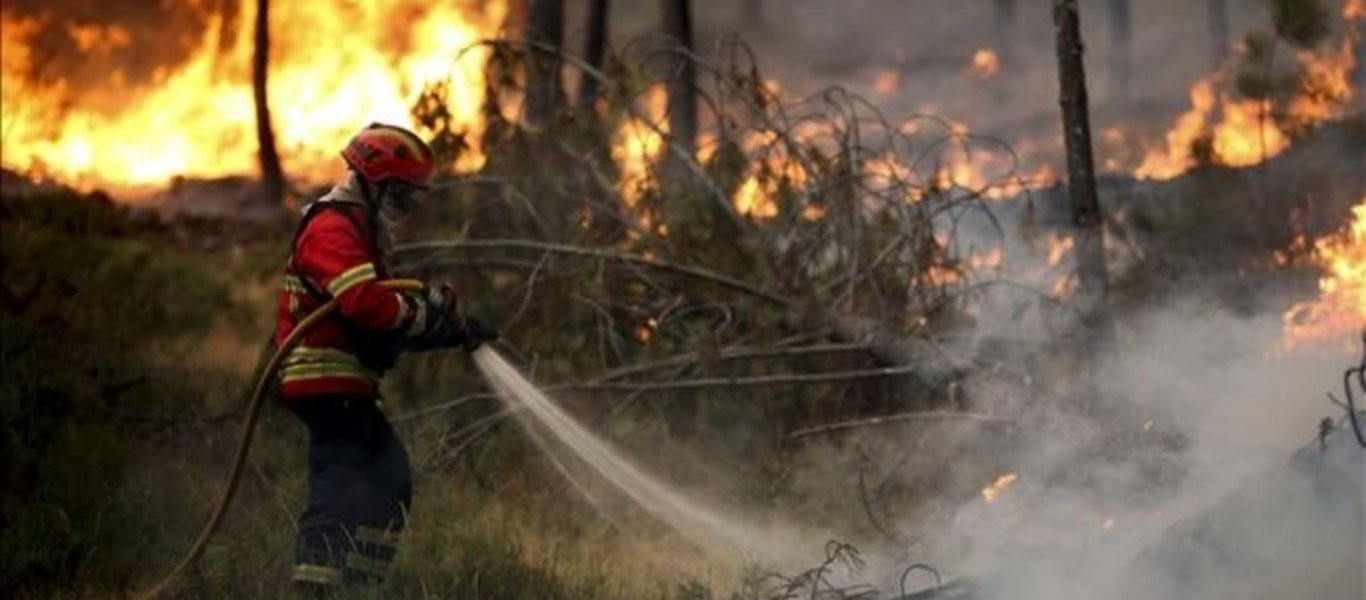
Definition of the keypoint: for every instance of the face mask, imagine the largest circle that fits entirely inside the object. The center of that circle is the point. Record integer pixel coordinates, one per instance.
(402, 198)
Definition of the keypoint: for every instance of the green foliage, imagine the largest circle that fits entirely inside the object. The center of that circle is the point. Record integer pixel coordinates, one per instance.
(692, 590)
(79, 303)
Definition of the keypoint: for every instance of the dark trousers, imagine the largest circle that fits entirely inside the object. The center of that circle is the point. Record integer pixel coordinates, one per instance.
(359, 490)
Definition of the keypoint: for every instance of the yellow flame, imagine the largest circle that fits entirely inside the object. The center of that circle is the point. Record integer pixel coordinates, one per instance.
(1339, 313)
(770, 168)
(335, 66)
(1246, 132)
(1245, 135)
(637, 144)
(998, 487)
(1058, 247)
(753, 198)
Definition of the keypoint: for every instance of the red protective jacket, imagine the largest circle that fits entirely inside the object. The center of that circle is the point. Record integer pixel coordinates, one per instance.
(334, 256)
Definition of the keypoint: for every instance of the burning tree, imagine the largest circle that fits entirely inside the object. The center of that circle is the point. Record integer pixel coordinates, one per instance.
(688, 255)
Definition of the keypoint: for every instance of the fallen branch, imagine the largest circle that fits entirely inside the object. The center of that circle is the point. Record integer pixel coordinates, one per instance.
(723, 280)
(758, 380)
(681, 384)
(915, 416)
(738, 353)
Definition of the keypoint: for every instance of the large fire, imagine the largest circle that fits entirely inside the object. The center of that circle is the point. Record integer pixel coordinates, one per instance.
(353, 62)
(1245, 132)
(1339, 313)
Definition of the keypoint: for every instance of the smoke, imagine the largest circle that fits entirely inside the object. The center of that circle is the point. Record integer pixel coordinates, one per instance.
(1196, 474)
(1186, 487)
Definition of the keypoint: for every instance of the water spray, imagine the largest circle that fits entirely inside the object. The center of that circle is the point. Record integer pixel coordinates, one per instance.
(689, 517)
(701, 524)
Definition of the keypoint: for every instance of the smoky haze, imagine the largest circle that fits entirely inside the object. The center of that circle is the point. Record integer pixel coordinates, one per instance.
(1186, 489)
(914, 56)
(1197, 497)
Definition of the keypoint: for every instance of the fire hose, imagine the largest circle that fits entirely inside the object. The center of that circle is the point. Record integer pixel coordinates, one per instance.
(258, 397)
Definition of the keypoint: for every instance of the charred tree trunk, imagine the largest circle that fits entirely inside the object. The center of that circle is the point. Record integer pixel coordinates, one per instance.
(681, 73)
(754, 15)
(545, 29)
(1218, 31)
(594, 51)
(1004, 22)
(1093, 292)
(1357, 29)
(1121, 47)
(272, 175)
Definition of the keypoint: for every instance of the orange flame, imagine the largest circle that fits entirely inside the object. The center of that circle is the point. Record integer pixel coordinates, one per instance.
(1058, 247)
(1326, 84)
(1340, 310)
(771, 168)
(1245, 136)
(1246, 131)
(985, 63)
(887, 82)
(998, 487)
(638, 144)
(1354, 9)
(328, 78)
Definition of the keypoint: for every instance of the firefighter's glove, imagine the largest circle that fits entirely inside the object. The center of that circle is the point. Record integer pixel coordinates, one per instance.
(434, 323)
(474, 333)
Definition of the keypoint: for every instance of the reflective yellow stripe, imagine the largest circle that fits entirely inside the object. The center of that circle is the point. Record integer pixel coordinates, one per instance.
(309, 354)
(303, 372)
(349, 278)
(377, 536)
(366, 564)
(317, 574)
(305, 362)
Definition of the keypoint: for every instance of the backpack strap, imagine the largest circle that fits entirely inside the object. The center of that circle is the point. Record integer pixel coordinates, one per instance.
(313, 210)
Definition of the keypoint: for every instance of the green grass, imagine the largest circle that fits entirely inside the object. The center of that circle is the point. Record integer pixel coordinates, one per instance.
(127, 357)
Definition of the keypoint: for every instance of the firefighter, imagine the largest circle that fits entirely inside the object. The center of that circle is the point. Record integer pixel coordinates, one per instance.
(359, 487)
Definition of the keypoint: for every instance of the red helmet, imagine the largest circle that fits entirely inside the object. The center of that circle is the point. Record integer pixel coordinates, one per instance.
(381, 153)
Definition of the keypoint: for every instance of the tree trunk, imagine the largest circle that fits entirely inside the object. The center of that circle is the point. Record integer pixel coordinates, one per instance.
(1004, 23)
(545, 29)
(1092, 293)
(1218, 31)
(753, 15)
(1357, 29)
(1121, 51)
(594, 51)
(681, 73)
(272, 176)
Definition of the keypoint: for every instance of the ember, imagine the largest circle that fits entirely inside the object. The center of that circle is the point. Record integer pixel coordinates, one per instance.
(998, 487)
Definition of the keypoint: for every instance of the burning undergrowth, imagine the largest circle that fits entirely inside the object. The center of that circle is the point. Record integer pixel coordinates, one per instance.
(836, 322)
